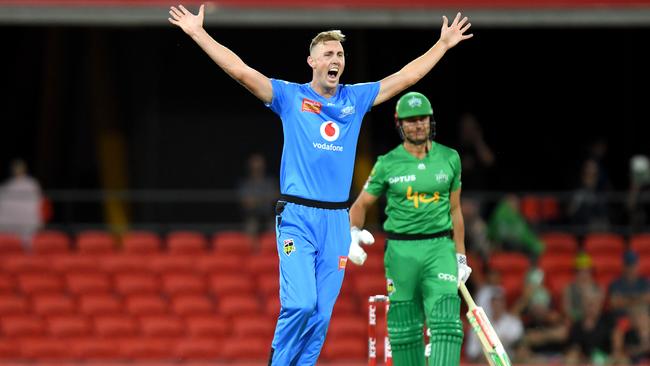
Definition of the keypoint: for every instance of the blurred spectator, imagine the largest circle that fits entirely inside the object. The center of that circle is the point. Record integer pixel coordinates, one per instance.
(580, 288)
(638, 204)
(476, 156)
(587, 206)
(508, 229)
(631, 338)
(630, 289)
(598, 153)
(590, 336)
(475, 229)
(507, 326)
(257, 194)
(544, 328)
(486, 291)
(20, 203)
(534, 291)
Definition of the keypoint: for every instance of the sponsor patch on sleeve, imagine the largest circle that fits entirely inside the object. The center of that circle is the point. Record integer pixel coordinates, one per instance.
(343, 261)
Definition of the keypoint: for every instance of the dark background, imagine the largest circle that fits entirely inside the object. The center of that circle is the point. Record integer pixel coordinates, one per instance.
(542, 95)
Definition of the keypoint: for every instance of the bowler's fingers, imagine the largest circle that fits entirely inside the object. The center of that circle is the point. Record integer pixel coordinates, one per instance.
(465, 28)
(185, 11)
(467, 36)
(174, 22)
(445, 21)
(462, 22)
(175, 13)
(456, 19)
(202, 10)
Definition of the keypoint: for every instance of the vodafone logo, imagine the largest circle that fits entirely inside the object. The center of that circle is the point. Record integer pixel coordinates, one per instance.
(330, 131)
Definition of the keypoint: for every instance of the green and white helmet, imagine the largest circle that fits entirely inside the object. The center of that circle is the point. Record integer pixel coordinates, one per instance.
(414, 104)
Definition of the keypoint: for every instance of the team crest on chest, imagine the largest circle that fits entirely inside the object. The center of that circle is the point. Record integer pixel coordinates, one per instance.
(421, 166)
(442, 177)
(288, 247)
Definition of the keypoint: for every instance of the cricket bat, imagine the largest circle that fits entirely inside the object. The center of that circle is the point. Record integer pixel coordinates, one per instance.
(492, 348)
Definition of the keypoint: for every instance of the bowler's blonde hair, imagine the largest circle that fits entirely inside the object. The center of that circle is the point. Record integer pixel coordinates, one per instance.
(330, 35)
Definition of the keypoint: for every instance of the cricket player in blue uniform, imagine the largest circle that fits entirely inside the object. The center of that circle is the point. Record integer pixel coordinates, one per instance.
(321, 122)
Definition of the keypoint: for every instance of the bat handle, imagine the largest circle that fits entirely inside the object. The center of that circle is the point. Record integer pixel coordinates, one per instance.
(466, 295)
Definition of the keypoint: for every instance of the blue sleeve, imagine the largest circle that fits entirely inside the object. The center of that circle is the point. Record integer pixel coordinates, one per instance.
(365, 94)
(280, 90)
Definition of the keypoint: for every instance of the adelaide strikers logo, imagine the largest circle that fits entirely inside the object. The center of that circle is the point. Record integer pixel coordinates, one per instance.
(330, 131)
(288, 247)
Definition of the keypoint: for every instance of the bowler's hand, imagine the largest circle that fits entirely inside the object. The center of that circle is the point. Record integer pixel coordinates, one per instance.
(187, 21)
(451, 35)
(356, 254)
(463, 269)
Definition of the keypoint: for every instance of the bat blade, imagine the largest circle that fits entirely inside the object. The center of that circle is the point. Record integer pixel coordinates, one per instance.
(493, 350)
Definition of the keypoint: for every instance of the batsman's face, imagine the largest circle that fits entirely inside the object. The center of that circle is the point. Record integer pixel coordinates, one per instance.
(416, 129)
(327, 61)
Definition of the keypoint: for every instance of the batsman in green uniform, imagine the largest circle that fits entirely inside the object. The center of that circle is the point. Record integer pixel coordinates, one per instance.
(425, 254)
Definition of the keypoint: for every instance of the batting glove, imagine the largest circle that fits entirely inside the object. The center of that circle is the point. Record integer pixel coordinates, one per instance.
(463, 269)
(356, 254)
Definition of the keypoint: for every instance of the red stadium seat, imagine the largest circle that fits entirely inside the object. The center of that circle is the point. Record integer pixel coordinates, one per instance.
(73, 263)
(99, 305)
(152, 304)
(143, 283)
(348, 326)
(13, 305)
(21, 326)
(346, 305)
(253, 326)
(268, 285)
(10, 244)
(509, 262)
(88, 283)
(272, 306)
(189, 305)
(186, 242)
(552, 263)
(201, 326)
(604, 244)
(168, 263)
(95, 349)
(70, 326)
(22, 264)
(345, 349)
(125, 264)
(219, 263)
(369, 284)
(146, 349)
(7, 284)
(513, 284)
(640, 243)
(198, 349)
(560, 243)
(51, 242)
(115, 326)
(31, 284)
(222, 284)
(183, 284)
(235, 305)
(141, 242)
(232, 242)
(550, 208)
(557, 282)
(53, 304)
(161, 326)
(9, 350)
(531, 208)
(268, 243)
(95, 243)
(45, 349)
(644, 266)
(263, 264)
(246, 349)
